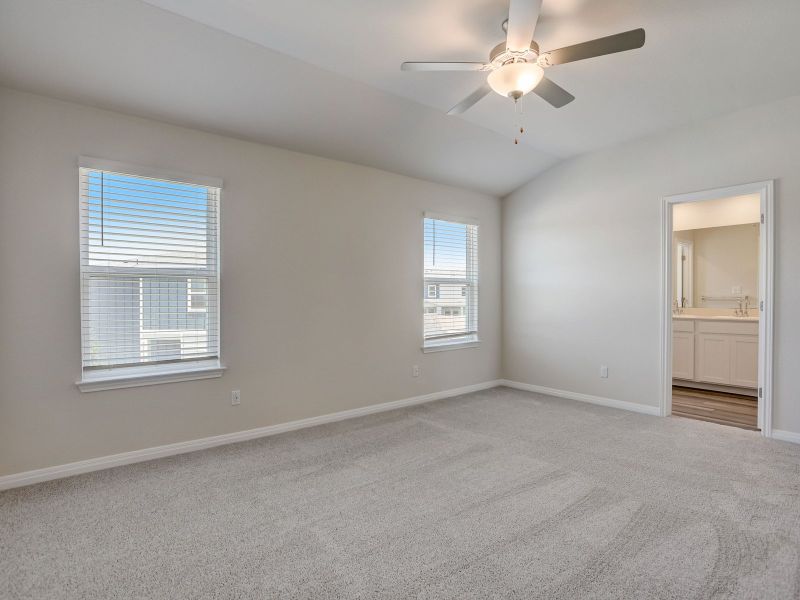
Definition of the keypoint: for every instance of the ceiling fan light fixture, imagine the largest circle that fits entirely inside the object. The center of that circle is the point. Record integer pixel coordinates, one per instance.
(514, 80)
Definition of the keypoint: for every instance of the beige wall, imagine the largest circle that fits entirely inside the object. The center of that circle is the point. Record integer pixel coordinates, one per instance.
(736, 210)
(724, 258)
(582, 251)
(321, 287)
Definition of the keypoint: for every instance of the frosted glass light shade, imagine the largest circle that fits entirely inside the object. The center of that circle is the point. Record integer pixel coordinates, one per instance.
(515, 79)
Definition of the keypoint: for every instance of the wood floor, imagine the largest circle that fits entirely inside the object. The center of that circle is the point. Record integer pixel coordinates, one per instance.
(716, 407)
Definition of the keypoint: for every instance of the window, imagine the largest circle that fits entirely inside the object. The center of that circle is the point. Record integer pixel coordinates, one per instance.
(196, 295)
(450, 251)
(149, 275)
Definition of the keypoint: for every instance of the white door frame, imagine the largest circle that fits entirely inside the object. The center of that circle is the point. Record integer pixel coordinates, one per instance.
(766, 274)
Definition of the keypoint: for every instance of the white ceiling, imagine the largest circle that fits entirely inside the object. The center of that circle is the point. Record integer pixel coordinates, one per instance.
(323, 77)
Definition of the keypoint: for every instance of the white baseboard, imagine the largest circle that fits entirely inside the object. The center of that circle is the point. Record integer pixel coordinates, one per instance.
(127, 458)
(786, 436)
(611, 403)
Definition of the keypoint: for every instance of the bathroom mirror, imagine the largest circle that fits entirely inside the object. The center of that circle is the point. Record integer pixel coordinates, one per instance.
(716, 267)
(684, 261)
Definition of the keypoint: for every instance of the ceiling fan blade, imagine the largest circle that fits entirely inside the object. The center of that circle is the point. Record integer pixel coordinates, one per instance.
(630, 40)
(442, 66)
(553, 93)
(470, 100)
(522, 17)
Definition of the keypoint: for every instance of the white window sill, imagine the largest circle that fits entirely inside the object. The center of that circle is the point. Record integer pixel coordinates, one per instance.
(458, 345)
(111, 379)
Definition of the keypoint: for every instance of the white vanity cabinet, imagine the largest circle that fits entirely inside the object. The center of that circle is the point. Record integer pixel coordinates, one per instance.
(744, 360)
(713, 358)
(723, 352)
(683, 350)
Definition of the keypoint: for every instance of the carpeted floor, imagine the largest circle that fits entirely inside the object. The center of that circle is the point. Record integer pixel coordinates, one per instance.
(497, 494)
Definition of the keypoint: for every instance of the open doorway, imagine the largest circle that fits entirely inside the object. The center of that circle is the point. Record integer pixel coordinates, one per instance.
(716, 306)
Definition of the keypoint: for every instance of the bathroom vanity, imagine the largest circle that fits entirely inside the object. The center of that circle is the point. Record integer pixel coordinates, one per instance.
(717, 350)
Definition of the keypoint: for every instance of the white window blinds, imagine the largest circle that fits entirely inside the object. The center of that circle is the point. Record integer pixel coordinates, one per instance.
(149, 270)
(450, 310)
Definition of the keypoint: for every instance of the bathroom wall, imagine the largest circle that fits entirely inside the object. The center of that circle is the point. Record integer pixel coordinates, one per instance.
(736, 210)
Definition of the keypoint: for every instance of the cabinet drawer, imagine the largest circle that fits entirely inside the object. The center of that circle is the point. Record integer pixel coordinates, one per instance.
(729, 327)
(685, 325)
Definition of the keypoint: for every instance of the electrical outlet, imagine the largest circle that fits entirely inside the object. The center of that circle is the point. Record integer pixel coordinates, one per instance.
(415, 371)
(236, 397)
(604, 371)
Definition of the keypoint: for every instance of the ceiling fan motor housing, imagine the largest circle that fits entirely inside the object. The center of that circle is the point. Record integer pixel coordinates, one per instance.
(500, 55)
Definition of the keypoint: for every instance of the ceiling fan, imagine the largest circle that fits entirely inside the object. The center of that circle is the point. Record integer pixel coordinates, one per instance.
(516, 66)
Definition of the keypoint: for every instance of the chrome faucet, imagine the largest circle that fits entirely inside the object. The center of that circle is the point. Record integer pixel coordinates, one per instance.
(743, 312)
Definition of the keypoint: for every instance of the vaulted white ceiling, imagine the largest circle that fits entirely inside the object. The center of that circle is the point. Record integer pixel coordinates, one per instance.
(322, 76)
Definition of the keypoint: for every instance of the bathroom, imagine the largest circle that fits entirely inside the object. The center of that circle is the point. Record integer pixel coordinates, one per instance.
(715, 310)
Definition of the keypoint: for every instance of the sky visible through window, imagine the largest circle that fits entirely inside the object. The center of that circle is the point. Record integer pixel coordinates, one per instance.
(445, 246)
(146, 223)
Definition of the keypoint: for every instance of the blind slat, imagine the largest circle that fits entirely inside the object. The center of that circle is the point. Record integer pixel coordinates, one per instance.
(195, 230)
(94, 192)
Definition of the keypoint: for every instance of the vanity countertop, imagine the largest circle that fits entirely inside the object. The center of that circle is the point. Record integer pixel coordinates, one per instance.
(751, 319)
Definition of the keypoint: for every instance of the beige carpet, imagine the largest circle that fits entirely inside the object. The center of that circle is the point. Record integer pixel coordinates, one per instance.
(498, 494)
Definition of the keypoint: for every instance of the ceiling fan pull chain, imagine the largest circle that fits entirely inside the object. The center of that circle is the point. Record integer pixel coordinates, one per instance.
(519, 126)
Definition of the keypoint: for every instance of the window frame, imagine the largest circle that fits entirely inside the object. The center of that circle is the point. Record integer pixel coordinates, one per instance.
(468, 340)
(151, 374)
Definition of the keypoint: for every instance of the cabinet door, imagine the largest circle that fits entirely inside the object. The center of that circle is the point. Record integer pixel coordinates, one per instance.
(713, 358)
(744, 360)
(682, 355)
